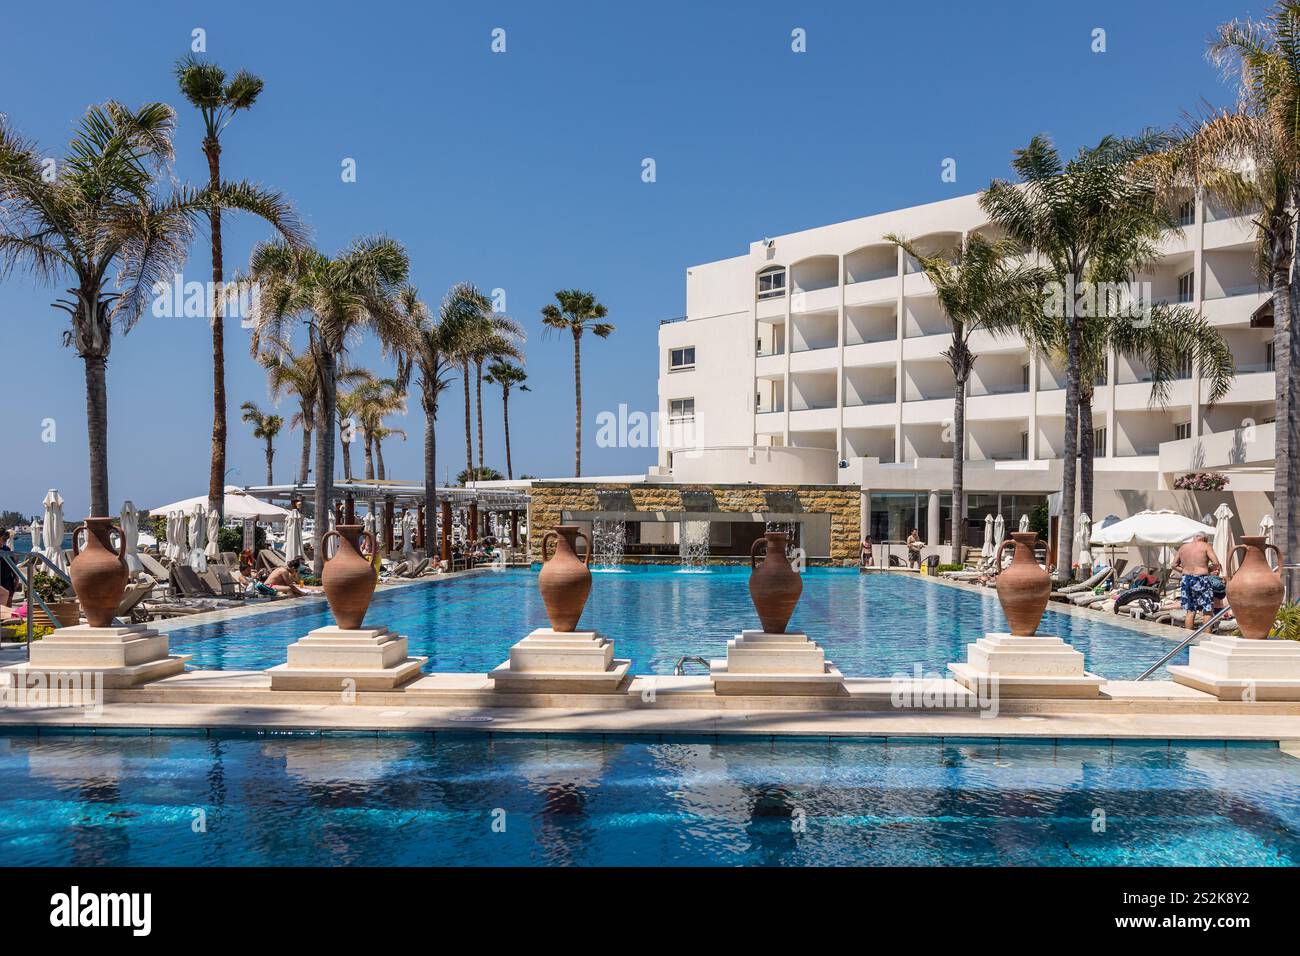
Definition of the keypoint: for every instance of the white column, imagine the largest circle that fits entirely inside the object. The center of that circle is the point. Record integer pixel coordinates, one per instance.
(898, 361)
(932, 520)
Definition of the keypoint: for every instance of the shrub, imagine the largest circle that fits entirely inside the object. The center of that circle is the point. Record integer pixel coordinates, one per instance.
(1287, 625)
(948, 567)
(50, 587)
(1201, 481)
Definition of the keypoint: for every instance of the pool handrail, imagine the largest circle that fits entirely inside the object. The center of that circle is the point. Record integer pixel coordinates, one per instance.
(30, 559)
(1210, 622)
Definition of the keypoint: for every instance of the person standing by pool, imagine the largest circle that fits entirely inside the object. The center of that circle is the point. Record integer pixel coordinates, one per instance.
(8, 578)
(914, 549)
(1198, 562)
(865, 549)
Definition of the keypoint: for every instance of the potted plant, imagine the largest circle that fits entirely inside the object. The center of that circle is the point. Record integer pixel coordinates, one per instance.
(52, 589)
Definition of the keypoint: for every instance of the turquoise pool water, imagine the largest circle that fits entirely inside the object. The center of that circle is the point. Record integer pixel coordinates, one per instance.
(871, 625)
(471, 799)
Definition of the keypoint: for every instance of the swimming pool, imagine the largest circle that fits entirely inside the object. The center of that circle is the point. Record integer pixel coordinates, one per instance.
(872, 625)
(471, 799)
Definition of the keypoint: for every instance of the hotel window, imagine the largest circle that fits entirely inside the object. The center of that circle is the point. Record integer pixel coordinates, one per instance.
(682, 358)
(1186, 287)
(1187, 213)
(1185, 366)
(681, 410)
(1024, 446)
(1182, 430)
(1099, 442)
(771, 284)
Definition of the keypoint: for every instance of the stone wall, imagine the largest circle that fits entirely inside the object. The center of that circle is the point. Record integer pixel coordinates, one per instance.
(551, 499)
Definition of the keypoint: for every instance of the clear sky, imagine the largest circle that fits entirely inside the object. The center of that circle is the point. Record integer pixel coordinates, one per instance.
(522, 171)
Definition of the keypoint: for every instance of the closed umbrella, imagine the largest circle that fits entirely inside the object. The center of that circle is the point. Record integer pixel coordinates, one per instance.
(987, 550)
(131, 537)
(293, 535)
(1024, 521)
(175, 536)
(1223, 542)
(408, 531)
(1082, 535)
(1266, 529)
(368, 522)
(213, 549)
(36, 535)
(332, 548)
(54, 529)
(999, 531)
(198, 560)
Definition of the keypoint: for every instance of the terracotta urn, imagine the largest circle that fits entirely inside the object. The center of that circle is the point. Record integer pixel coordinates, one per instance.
(349, 578)
(1023, 586)
(565, 580)
(99, 573)
(774, 586)
(1254, 590)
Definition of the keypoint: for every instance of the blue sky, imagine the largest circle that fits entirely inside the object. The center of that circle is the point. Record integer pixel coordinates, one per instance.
(522, 171)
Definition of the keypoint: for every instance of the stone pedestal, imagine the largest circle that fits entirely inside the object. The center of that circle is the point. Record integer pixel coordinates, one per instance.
(561, 662)
(775, 665)
(373, 657)
(121, 656)
(1238, 668)
(1040, 667)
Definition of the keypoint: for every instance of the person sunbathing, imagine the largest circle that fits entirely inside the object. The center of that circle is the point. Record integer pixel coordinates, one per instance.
(286, 580)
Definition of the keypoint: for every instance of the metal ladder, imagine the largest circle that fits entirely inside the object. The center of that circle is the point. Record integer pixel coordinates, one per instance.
(30, 559)
(1191, 637)
(680, 669)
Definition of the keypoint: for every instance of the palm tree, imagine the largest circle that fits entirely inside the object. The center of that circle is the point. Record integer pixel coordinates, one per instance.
(348, 413)
(478, 474)
(382, 432)
(296, 375)
(429, 354)
(1248, 159)
(266, 427)
(508, 376)
(577, 313)
(473, 333)
(205, 86)
(371, 402)
(1166, 337)
(981, 287)
(1094, 222)
(336, 298)
(106, 210)
(492, 344)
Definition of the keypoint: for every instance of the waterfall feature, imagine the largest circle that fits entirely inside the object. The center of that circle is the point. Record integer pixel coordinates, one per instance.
(608, 543)
(693, 545)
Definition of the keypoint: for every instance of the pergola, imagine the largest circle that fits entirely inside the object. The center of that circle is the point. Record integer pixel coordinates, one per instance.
(476, 504)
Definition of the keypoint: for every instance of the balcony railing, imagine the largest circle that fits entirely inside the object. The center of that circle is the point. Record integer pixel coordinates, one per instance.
(812, 347)
(1233, 291)
(854, 401)
(1017, 389)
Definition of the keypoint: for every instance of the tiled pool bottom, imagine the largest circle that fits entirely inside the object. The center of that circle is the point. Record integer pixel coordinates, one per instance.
(872, 625)
(474, 799)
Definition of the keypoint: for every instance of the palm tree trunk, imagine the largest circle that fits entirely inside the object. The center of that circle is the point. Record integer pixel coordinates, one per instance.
(1286, 371)
(324, 452)
(430, 475)
(469, 438)
(304, 464)
(577, 413)
(1070, 451)
(270, 454)
(370, 454)
(217, 473)
(379, 457)
(1087, 451)
(97, 431)
(505, 409)
(959, 471)
(478, 396)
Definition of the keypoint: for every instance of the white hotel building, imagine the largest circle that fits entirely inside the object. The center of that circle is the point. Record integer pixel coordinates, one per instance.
(817, 358)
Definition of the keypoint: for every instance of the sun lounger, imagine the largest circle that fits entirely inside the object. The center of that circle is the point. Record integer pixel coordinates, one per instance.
(419, 568)
(134, 595)
(1098, 579)
(270, 559)
(187, 583)
(155, 569)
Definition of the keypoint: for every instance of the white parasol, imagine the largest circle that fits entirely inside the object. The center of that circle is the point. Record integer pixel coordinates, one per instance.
(999, 531)
(1266, 529)
(987, 550)
(1152, 529)
(54, 529)
(1223, 541)
(1082, 535)
(237, 505)
(293, 536)
(198, 559)
(131, 537)
(213, 550)
(36, 535)
(1024, 521)
(175, 536)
